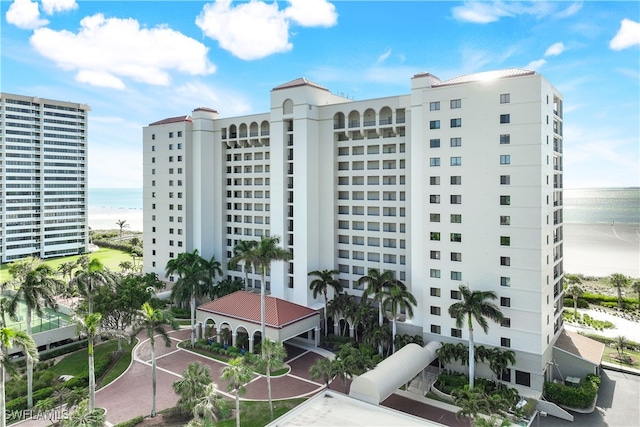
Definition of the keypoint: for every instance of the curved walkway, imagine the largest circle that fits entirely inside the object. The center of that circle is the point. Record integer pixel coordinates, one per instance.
(130, 395)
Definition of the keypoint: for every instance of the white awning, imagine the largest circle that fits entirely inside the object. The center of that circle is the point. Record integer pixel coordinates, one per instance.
(379, 383)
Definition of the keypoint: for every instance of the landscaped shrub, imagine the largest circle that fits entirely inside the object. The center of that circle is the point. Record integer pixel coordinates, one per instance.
(63, 349)
(600, 299)
(180, 313)
(448, 382)
(582, 303)
(581, 397)
(120, 246)
(132, 422)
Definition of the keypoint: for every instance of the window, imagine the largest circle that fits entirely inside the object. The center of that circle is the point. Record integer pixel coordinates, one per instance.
(456, 142)
(456, 180)
(456, 218)
(153, 136)
(434, 124)
(179, 133)
(506, 322)
(505, 179)
(505, 98)
(434, 235)
(456, 275)
(434, 292)
(434, 254)
(456, 237)
(456, 123)
(434, 106)
(505, 342)
(435, 310)
(523, 378)
(505, 220)
(456, 295)
(434, 217)
(456, 161)
(180, 146)
(455, 103)
(434, 161)
(505, 261)
(434, 143)
(505, 118)
(435, 273)
(435, 329)
(456, 256)
(455, 199)
(170, 136)
(434, 198)
(434, 180)
(505, 200)
(171, 157)
(505, 159)
(456, 333)
(505, 139)
(505, 302)
(505, 241)
(505, 281)
(506, 375)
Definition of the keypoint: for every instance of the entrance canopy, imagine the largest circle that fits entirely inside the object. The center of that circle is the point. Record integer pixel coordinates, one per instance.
(241, 310)
(379, 383)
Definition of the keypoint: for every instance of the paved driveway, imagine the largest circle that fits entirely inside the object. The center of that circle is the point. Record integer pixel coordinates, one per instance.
(618, 404)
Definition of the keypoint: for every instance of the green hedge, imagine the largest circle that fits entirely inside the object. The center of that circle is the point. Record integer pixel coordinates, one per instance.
(125, 247)
(132, 422)
(63, 349)
(582, 303)
(600, 298)
(573, 397)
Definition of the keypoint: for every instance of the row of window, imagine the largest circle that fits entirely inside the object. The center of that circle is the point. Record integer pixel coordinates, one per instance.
(505, 98)
(171, 171)
(372, 211)
(505, 159)
(457, 122)
(171, 182)
(505, 138)
(171, 135)
(371, 241)
(454, 218)
(390, 227)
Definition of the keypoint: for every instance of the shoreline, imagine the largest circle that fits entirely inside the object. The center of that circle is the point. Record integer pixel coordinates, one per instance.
(590, 249)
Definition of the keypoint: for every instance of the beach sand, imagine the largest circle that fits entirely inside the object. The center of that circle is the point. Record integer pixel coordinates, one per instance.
(101, 218)
(601, 249)
(590, 249)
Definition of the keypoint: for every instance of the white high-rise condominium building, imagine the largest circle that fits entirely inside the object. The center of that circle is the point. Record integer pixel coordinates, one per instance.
(457, 182)
(43, 177)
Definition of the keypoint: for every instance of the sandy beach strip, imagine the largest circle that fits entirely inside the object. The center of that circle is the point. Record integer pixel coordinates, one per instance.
(602, 249)
(101, 218)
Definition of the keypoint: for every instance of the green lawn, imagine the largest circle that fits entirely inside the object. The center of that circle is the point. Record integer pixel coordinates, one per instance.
(256, 414)
(111, 258)
(78, 362)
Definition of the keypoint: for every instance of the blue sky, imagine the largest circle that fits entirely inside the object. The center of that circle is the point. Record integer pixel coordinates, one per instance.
(136, 62)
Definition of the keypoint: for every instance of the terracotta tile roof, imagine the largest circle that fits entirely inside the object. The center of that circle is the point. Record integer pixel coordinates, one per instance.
(172, 120)
(299, 82)
(245, 306)
(487, 75)
(581, 346)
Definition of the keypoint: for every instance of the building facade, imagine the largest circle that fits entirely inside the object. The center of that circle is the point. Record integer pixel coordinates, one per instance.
(43, 177)
(457, 182)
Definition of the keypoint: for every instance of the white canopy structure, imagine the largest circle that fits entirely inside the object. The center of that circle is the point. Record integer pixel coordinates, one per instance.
(379, 383)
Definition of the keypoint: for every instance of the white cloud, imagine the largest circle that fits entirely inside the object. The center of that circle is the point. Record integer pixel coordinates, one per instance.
(106, 50)
(251, 30)
(383, 57)
(555, 49)
(25, 14)
(255, 29)
(312, 13)
(535, 65)
(52, 6)
(480, 12)
(628, 35)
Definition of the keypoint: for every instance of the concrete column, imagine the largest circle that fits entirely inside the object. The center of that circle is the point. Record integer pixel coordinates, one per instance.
(250, 343)
(234, 338)
(351, 331)
(317, 336)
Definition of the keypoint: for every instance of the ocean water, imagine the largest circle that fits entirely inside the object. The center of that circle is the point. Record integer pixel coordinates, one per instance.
(116, 198)
(602, 205)
(581, 205)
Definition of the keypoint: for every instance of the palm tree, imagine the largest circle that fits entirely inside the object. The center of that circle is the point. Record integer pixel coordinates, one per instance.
(88, 279)
(11, 338)
(122, 224)
(66, 269)
(210, 405)
(575, 292)
(320, 285)
(188, 266)
(619, 281)
(155, 323)
(397, 301)
(37, 291)
(500, 360)
(272, 357)
(324, 369)
(378, 285)
(475, 305)
(621, 344)
(238, 374)
(241, 254)
(90, 325)
(84, 416)
(261, 256)
(125, 266)
(192, 386)
(211, 268)
(636, 288)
